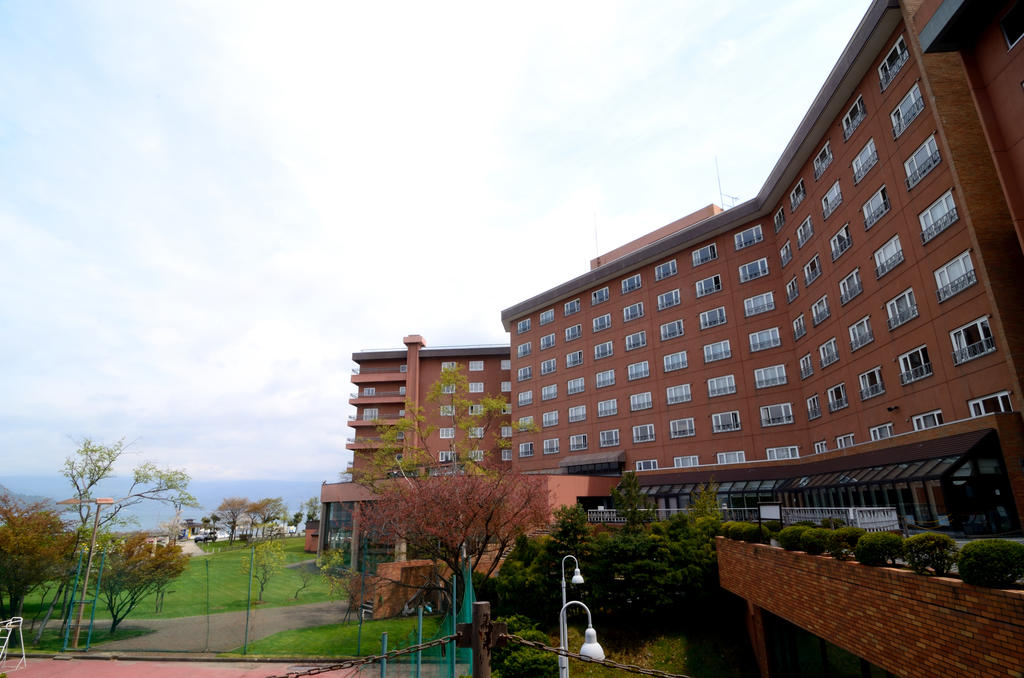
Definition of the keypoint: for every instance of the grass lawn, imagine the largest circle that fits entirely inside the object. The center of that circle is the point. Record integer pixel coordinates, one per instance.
(216, 583)
(339, 640)
(53, 639)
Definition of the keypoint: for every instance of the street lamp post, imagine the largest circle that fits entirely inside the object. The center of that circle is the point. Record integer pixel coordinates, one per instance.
(563, 632)
(590, 647)
(88, 566)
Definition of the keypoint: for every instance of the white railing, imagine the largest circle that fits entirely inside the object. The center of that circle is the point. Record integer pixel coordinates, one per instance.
(872, 519)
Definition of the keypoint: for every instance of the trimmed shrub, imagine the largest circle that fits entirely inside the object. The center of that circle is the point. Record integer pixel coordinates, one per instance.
(930, 550)
(805, 523)
(815, 540)
(879, 548)
(752, 532)
(773, 526)
(996, 563)
(790, 537)
(727, 527)
(843, 541)
(832, 523)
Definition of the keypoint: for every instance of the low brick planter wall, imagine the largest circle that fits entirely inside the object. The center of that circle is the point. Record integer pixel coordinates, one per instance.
(908, 624)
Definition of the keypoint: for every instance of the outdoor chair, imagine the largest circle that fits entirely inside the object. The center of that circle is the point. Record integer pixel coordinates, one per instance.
(8, 628)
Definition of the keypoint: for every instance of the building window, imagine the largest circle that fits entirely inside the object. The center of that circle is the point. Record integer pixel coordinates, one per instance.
(577, 413)
(449, 365)
(875, 208)
(577, 442)
(672, 330)
(603, 350)
(788, 452)
(833, 198)
(828, 352)
(854, 117)
(575, 385)
(665, 270)
(774, 375)
(881, 432)
(445, 456)
(602, 322)
(638, 370)
(550, 418)
(723, 422)
(720, 350)
(844, 441)
(647, 465)
(754, 270)
(786, 253)
(737, 457)
(574, 332)
(599, 296)
(709, 285)
(893, 62)
(476, 387)
(901, 309)
(524, 349)
(971, 341)
(822, 161)
(864, 161)
(506, 455)
(606, 378)
(547, 317)
(820, 446)
(804, 232)
(955, 277)
(506, 387)
(636, 340)
(850, 287)
(633, 311)
(764, 339)
(797, 195)
(571, 307)
(939, 216)
(476, 432)
(760, 303)
(506, 431)
(677, 394)
(640, 401)
(915, 365)
(371, 413)
(523, 326)
(841, 242)
(806, 366)
(719, 386)
(609, 438)
(506, 408)
(799, 327)
(750, 236)
(644, 433)
(505, 364)
(688, 461)
(631, 283)
(608, 408)
(871, 383)
(927, 420)
(712, 318)
(476, 365)
(705, 254)
(475, 410)
(921, 162)
(525, 449)
(860, 333)
(446, 433)
(990, 404)
(681, 428)
(837, 399)
(909, 108)
(792, 290)
(573, 359)
(551, 446)
(888, 256)
(777, 414)
(813, 407)
(779, 219)
(523, 374)
(668, 299)
(812, 270)
(674, 361)
(547, 341)
(549, 392)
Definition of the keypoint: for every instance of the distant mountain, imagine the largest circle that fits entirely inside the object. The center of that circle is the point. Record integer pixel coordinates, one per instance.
(26, 498)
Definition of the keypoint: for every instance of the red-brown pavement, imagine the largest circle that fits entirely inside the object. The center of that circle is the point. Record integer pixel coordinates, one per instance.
(158, 668)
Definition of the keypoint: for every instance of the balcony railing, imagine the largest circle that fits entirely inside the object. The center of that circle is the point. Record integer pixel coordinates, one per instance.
(779, 223)
(806, 371)
(762, 345)
(820, 167)
(838, 404)
(940, 225)
(813, 413)
(725, 428)
(721, 390)
(855, 122)
(713, 321)
(865, 167)
(903, 315)
(871, 519)
(975, 350)
(851, 291)
(829, 357)
(820, 316)
(877, 213)
(956, 286)
(378, 370)
(916, 374)
(759, 308)
(777, 421)
(904, 122)
(803, 236)
(872, 391)
(792, 293)
(827, 209)
(923, 168)
(799, 331)
(710, 357)
(887, 77)
(840, 246)
(889, 264)
(811, 275)
(771, 381)
(861, 339)
(786, 257)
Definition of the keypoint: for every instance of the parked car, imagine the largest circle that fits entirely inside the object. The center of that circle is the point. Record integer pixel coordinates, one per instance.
(205, 536)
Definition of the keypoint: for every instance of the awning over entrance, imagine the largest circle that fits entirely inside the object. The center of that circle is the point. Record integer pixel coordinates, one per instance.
(595, 464)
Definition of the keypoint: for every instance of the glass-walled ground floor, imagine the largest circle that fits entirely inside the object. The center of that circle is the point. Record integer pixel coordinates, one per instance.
(796, 653)
(339, 532)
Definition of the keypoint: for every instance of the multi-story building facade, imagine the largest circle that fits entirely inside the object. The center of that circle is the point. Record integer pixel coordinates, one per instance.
(865, 306)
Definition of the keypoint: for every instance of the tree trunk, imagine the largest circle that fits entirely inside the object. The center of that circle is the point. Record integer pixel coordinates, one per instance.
(49, 613)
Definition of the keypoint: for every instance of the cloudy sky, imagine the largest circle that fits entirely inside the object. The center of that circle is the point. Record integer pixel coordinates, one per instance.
(206, 207)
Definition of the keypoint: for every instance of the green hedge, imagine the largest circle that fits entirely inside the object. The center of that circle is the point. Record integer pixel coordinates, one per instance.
(790, 537)
(815, 540)
(930, 551)
(879, 548)
(843, 542)
(996, 563)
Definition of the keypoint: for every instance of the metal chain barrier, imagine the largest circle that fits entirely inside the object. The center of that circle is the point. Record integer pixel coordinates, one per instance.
(632, 668)
(352, 663)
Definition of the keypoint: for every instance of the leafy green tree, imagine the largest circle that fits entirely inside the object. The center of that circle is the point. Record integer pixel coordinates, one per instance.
(134, 570)
(631, 503)
(704, 503)
(312, 509)
(267, 561)
(34, 548)
(266, 511)
(571, 529)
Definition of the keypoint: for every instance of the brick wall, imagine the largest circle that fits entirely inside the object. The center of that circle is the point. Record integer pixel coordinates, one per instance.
(910, 625)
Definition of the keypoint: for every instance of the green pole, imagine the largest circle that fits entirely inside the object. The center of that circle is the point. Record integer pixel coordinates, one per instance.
(451, 644)
(74, 592)
(362, 595)
(207, 563)
(248, 600)
(92, 617)
(384, 651)
(419, 639)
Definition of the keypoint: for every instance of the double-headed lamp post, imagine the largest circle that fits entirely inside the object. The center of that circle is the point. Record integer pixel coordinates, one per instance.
(563, 632)
(74, 501)
(590, 647)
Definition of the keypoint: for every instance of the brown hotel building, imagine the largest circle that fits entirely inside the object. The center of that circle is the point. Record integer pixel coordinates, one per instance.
(853, 335)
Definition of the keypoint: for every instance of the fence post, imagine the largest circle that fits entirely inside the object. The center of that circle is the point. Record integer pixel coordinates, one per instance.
(419, 639)
(481, 640)
(454, 613)
(384, 651)
(248, 599)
